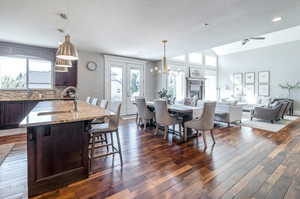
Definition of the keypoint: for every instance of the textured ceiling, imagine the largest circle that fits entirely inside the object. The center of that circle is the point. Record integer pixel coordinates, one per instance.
(135, 27)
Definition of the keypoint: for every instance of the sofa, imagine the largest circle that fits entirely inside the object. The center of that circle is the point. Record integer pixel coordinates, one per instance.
(228, 113)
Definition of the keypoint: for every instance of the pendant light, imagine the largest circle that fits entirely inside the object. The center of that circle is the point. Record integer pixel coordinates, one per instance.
(67, 50)
(164, 59)
(63, 63)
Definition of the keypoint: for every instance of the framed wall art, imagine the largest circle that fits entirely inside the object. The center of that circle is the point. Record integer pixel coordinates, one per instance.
(264, 83)
(238, 84)
(250, 78)
(264, 90)
(196, 72)
(249, 89)
(263, 77)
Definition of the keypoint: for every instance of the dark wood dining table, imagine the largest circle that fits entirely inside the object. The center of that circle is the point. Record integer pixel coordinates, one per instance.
(180, 110)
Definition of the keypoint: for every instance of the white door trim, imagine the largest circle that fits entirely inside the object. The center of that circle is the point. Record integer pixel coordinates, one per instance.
(123, 61)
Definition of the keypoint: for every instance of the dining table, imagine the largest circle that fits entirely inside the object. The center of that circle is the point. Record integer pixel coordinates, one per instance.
(185, 112)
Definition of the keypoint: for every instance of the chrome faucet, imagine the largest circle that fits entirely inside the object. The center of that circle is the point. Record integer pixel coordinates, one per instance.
(74, 97)
(75, 105)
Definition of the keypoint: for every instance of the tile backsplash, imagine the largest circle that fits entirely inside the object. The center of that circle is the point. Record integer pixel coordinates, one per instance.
(29, 94)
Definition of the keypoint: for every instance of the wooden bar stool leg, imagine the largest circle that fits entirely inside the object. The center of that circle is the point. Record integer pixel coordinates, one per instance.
(212, 136)
(185, 134)
(204, 139)
(166, 132)
(156, 129)
(119, 147)
(112, 142)
(92, 154)
(106, 142)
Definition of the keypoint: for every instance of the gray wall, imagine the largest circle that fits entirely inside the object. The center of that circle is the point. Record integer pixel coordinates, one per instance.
(283, 62)
(91, 83)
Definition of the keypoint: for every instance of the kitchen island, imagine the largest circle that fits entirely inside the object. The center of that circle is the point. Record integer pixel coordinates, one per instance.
(14, 108)
(57, 143)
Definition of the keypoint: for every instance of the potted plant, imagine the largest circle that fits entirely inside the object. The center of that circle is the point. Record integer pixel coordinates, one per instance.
(163, 94)
(290, 87)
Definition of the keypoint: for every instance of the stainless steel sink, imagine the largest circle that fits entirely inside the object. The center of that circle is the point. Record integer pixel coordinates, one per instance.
(54, 112)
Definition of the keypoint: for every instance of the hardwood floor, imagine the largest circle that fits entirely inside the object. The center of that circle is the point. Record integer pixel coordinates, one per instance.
(245, 163)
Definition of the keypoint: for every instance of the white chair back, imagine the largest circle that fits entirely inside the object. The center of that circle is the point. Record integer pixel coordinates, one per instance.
(103, 104)
(162, 115)
(88, 100)
(94, 101)
(208, 114)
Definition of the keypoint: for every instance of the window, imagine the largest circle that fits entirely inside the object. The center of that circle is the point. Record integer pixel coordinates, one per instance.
(12, 73)
(25, 73)
(179, 58)
(210, 85)
(196, 58)
(39, 75)
(210, 60)
(176, 81)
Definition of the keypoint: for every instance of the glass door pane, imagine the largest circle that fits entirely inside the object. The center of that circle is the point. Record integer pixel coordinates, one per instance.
(116, 90)
(134, 83)
(134, 87)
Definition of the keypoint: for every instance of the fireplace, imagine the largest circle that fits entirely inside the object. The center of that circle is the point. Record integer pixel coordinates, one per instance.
(195, 87)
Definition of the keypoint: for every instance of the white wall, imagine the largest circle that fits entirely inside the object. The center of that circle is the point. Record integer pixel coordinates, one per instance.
(283, 62)
(91, 83)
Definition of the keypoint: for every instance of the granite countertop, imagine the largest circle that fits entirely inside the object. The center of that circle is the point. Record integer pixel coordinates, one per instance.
(56, 112)
(17, 99)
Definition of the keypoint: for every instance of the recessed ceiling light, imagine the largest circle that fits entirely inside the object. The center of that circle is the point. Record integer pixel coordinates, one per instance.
(276, 19)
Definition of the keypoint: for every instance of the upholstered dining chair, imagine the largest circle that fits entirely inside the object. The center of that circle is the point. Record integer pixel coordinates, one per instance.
(204, 123)
(143, 112)
(103, 104)
(88, 100)
(137, 119)
(163, 118)
(94, 101)
(106, 129)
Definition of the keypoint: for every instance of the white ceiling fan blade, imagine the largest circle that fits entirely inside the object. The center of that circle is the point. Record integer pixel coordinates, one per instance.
(258, 38)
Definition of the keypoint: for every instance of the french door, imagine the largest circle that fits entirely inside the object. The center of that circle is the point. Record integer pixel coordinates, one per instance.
(124, 82)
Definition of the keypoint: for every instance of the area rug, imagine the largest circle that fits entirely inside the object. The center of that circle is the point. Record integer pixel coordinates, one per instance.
(267, 125)
(4, 151)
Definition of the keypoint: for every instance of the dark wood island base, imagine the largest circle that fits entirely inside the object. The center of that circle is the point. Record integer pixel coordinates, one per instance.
(57, 156)
(57, 143)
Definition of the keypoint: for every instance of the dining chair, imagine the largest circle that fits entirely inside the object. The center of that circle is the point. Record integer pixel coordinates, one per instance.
(137, 114)
(163, 118)
(144, 113)
(88, 100)
(94, 101)
(204, 123)
(110, 129)
(103, 104)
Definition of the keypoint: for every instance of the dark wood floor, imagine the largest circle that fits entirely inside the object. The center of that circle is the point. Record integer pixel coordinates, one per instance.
(245, 163)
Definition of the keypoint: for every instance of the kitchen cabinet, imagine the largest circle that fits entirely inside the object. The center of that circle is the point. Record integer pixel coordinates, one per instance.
(12, 113)
(67, 78)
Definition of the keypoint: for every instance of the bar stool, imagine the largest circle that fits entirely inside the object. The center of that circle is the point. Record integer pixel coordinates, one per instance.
(94, 101)
(106, 129)
(103, 104)
(88, 100)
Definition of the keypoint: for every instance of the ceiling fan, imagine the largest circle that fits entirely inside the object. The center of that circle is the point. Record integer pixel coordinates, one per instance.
(245, 41)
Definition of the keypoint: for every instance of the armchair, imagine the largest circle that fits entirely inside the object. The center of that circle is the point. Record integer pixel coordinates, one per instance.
(268, 113)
